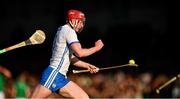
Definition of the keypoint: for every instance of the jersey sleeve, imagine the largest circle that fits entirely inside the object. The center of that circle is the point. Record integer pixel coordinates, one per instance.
(71, 37)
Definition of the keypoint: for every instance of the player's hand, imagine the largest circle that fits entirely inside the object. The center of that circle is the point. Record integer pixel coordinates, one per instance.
(99, 44)
(92, 68)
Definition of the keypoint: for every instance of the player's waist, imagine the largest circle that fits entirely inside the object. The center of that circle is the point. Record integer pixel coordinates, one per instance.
(60, 69)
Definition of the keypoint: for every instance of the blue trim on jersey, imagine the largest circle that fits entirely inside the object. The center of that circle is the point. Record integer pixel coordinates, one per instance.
(73, 43)
(57, 70)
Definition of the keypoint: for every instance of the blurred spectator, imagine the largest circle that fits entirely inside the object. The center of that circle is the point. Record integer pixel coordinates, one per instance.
(84, 81)
(129, 88)
(97, 85)
(21, 86)
(146, 82)
(4, 75)
(109, 87)
(32, 81)
(119, 77)
(9, 89)
(176, 89)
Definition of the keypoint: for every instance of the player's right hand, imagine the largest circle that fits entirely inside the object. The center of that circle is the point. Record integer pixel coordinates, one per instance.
(92, 69)
(99, 44)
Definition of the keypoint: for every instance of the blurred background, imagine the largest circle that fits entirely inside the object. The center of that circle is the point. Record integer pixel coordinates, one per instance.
(130, 29)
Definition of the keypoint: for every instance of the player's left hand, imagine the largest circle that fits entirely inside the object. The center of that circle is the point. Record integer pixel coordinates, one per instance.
(92, 68)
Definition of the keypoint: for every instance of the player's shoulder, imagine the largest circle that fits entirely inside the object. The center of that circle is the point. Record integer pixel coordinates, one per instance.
(65, 29)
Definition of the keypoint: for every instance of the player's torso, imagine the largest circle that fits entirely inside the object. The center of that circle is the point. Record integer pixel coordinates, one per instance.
(61, 53)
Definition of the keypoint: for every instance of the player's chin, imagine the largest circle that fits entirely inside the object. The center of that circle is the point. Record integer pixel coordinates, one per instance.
(79, 30)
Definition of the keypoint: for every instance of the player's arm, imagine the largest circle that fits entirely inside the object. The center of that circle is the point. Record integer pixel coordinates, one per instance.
(83, 52)
(73, 42)
(78, 63)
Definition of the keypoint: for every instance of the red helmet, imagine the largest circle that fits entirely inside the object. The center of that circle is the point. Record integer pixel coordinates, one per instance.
(75, 14)
(74, 17)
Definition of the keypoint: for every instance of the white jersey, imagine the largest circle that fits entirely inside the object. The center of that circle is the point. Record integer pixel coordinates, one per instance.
(61, 52)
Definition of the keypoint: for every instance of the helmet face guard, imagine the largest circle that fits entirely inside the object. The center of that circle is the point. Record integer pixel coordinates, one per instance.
(77, 25)
(76, 18)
